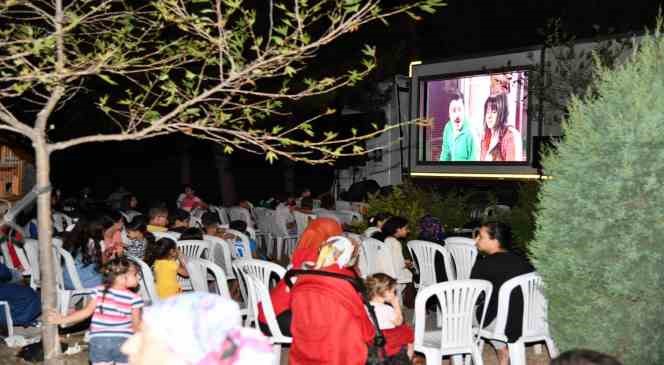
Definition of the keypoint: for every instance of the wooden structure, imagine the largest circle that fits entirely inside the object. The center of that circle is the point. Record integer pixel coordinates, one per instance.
(12, 173)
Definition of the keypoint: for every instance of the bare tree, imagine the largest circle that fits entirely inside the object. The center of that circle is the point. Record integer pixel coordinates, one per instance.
(215, 69)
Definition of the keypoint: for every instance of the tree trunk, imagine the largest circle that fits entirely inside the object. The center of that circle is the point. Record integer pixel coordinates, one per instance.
(46, 261)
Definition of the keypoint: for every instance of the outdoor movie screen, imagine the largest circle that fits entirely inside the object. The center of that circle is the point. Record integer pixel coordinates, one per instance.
(478, 118)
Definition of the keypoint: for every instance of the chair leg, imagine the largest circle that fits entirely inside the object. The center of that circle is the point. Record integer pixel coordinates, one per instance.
(280, 244)
(517, 352)
(537, 348)
(551, 346)
(456, 359)
(276, 351)
(476, 355)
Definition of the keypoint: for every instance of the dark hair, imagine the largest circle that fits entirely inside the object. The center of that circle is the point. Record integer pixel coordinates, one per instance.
(584, 357)
(209, 219)
(307, 203)
(392, 225)
(138, 223)
(238, 225)
(191, 233)
(79, 241)
(382, 216)
(125, 203)
(501, 232)
(111, 271)
(499, 102)
(157, 211)
(179, 215)
(456, 95)
(160, 250)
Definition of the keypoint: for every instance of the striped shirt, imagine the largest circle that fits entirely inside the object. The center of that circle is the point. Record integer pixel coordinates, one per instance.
(112, 317)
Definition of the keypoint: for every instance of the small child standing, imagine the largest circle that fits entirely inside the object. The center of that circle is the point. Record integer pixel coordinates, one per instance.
(382, 292)
(167, 263)
(115, 311)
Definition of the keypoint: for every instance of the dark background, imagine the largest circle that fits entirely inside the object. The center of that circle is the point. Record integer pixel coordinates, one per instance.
(151, 169)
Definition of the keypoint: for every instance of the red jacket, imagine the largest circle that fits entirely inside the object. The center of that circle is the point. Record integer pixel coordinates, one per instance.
(330, 325)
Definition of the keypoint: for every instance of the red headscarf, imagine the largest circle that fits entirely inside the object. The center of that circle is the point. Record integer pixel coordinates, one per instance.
(317, 232)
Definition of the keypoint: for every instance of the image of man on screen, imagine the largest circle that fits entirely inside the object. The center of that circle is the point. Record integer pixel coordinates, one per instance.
(500, 141)
(458, 140)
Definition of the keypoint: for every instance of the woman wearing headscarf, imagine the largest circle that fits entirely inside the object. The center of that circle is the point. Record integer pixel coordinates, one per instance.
(196, 329)
(316, 233)
(330, 323)
(305, 254)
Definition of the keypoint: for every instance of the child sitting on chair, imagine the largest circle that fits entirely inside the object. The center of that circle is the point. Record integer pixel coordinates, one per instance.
(382, 293)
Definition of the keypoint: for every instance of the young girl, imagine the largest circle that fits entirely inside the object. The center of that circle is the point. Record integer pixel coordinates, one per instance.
(382, 292)
(115, 311)
(167, 263)
(138, 237)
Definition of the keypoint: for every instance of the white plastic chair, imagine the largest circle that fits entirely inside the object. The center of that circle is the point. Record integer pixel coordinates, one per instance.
(194, 248)
(195, 217)
(425, 254)
(221, 212)
(535, 323)
(241, 214)
(285, 241)
(10, 323)
(302, 220)
(456, 336)
(31, 248)
(147, 289)
(368, 261)
(348, 217)
(175, 236)
(260, 269)
(464, 254)
(198, 274)
(265, 221)
(61, 221)
(220, 254)
(259, 293)
(65, 295)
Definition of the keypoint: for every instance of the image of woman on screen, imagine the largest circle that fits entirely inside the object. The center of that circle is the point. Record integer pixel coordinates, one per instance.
(458, 141)
(500, 142)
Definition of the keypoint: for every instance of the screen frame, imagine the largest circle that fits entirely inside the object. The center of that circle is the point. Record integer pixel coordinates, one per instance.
(450, 76)
(528, 59)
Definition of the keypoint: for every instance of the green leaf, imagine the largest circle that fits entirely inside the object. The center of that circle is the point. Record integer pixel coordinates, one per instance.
(107, 79)
(271, 157)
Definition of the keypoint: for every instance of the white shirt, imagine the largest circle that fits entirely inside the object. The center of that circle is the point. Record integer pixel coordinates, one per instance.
(391, 262)
(385, 315)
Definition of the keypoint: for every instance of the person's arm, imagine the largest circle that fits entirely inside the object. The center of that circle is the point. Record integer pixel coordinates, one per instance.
(445, 153)
(135, 319)
(398, 314)
(54, 317)
(182, 267)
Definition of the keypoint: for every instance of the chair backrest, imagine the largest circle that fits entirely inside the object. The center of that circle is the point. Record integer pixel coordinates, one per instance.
(535, 322)
(220, 254)
(464, 254)
(175, 236)
(201, 270)
(147, 289)
(348, 216)
(302, 220)
(457, 300)
(261, 269)
(31, 248)
(62, 255)
(278, 224)
(221, 212)
(194, 248)
(245, 250)
(263, 219)
(195, 217)
(424, 253)
(241, 214)
(61, 221)
(259, 293)
(369, 256)
(343, 205)
(369, 231)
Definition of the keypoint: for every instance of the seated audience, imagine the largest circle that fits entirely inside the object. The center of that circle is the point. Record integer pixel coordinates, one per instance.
(375, 225)
(191, 233)
(112, 223)
(24, 303)
(319, 230)
(167, 263)
(431, 230)
(238, 246)
(327, 207)
(138, 237)
(330, 324)
(284, 214)
(382, 293)
(158, 219)
(129, 204)
(179, 220)
(501, 263)
(304, 193)
(306, 205)
(584, 357)
(390, 260)
(210, 223)
(83, 243)
(196, 328)
(189, 201)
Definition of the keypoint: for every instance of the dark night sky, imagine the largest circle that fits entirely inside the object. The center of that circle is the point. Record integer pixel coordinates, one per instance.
(464, 27)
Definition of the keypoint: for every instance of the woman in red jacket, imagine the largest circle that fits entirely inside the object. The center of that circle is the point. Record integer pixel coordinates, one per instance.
(330, 324)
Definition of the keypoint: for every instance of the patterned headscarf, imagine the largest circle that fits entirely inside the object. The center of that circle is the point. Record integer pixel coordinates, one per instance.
(206, 329)
(337, 245)
(431, 229)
